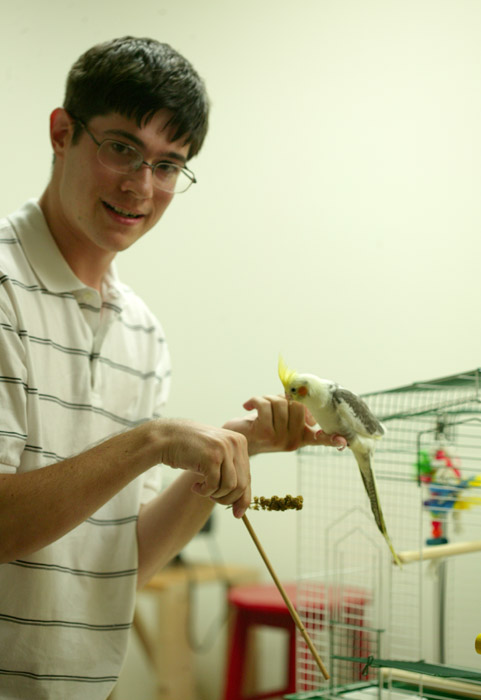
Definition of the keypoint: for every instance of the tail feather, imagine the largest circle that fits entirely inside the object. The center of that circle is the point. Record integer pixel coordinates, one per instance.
(367, 474)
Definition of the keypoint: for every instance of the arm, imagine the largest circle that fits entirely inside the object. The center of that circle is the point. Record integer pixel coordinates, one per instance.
(71, 490)
(167, 523)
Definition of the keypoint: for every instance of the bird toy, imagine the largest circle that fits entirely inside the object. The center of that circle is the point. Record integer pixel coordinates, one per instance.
(440, 473)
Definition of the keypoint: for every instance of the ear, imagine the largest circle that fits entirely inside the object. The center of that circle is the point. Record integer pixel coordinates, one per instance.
(61, 129)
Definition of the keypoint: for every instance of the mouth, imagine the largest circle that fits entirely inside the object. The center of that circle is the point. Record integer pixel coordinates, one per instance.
(125, 213)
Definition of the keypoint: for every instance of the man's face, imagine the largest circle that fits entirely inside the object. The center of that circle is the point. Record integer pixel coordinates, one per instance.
(99, 208)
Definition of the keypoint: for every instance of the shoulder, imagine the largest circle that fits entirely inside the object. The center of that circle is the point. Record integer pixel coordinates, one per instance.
(14, 269)
(14, 262)
(137, 314)
(10, 245)
(141, 332)
(6, 230)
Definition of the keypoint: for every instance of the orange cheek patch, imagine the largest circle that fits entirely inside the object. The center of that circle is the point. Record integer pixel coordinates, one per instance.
(302, 391)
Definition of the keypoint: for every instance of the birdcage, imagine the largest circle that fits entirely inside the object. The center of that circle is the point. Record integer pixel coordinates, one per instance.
(386, 632)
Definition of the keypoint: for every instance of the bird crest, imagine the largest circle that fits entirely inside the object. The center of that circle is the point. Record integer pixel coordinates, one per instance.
(286, 375)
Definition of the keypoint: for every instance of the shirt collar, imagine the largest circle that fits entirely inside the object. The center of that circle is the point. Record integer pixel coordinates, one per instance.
(44, 256)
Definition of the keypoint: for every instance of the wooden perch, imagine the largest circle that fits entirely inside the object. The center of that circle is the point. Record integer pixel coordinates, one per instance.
(439, 551)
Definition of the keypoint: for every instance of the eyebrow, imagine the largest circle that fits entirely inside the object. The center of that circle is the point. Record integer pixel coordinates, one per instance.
(138, 142)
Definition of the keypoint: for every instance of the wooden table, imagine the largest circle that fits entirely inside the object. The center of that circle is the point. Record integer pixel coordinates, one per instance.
(167, 646)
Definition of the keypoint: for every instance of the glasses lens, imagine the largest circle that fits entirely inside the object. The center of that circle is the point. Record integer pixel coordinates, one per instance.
(168, 177)
(121, 158)
(118, 156)
(172, 178)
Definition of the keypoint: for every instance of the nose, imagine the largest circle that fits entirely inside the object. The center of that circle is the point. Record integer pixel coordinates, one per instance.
(140, 182)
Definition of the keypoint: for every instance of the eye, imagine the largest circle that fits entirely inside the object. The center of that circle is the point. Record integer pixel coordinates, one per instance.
(166, 169)
(293, 390)
(119, 149)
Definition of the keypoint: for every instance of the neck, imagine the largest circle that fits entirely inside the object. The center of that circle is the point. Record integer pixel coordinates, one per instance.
(320, 393)
(88, 262)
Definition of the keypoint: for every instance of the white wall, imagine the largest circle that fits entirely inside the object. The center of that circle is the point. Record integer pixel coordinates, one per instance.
(337, 217)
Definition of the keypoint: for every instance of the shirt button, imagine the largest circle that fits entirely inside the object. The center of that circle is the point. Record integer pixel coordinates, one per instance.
(90, 297)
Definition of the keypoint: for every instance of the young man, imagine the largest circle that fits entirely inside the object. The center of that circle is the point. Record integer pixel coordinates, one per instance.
(84, 375)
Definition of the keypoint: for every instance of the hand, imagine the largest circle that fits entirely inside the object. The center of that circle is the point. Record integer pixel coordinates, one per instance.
(280, 426)
(218, 457)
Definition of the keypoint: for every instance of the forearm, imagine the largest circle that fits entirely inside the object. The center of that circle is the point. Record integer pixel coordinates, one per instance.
(167, 523)
(39, 507)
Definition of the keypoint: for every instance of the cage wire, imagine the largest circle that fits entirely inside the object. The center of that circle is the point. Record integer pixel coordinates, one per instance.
(372, 622)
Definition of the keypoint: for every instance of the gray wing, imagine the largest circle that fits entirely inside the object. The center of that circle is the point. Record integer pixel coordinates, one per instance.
(355, 411)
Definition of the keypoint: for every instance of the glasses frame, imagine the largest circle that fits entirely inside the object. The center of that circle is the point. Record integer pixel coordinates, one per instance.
(182, 169)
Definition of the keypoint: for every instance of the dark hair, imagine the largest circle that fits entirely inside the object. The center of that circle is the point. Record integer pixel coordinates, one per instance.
(136, 77)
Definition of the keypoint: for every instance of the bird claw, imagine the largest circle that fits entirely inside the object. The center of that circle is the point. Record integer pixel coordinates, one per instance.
(339, 442)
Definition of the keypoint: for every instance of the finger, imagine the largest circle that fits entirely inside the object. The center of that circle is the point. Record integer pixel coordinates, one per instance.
(239, 473)
(228, 480)
(257, 403)
(319, 437)
(249, 405)
(286, 415)
(234, 473)
(240, 497)
(276, 412)
(254, 402)
(291, 434)
(280, 423)
(265, 417)
(209, 478)
(297, 417)
(202, 488)
(281, 414)
(242, 504)
(310, 420)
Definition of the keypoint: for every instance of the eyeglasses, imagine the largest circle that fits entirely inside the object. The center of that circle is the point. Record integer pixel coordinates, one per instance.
(122, 158)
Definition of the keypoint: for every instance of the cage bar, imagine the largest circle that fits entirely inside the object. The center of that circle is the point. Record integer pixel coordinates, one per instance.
(384, 632)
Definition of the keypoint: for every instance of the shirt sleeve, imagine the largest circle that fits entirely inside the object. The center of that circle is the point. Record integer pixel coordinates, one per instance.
(13, 393)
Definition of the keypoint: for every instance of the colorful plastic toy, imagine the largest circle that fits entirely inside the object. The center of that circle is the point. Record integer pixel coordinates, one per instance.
(441, 474)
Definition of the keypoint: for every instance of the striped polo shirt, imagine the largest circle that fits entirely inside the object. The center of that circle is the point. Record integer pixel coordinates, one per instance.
(76, 367)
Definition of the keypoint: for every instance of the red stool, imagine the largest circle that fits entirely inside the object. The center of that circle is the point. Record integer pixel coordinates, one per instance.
(258, 604)
(262, 604)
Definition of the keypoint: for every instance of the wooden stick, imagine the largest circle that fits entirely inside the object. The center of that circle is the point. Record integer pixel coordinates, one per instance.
(287, 601)
(439, 550)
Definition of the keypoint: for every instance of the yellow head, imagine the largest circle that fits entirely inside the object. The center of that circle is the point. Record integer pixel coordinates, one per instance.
(295, 385)
(286, 375)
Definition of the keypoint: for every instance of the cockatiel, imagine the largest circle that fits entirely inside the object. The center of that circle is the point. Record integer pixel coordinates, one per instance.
(340, 411)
